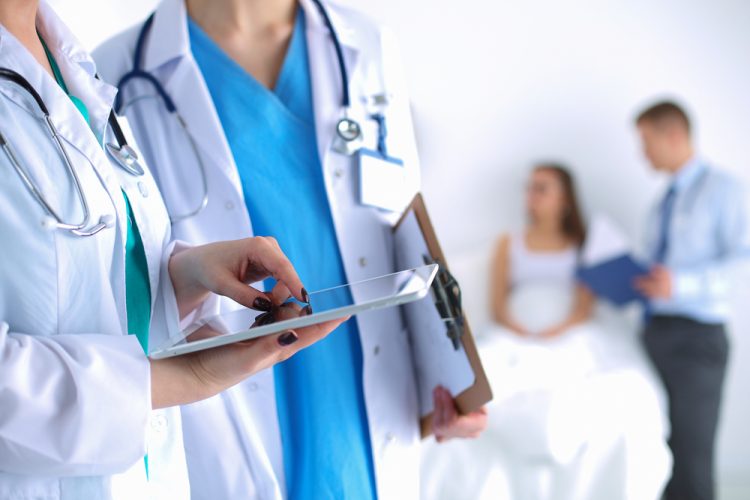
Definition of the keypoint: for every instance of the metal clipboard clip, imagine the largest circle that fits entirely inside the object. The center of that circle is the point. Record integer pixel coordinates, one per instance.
(447, 293)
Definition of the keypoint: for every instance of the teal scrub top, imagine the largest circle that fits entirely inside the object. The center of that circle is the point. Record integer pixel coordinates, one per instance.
(137, 288)
(319, 393)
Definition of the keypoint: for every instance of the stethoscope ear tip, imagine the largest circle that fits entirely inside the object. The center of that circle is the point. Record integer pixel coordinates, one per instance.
(108, 220)
(49, 223)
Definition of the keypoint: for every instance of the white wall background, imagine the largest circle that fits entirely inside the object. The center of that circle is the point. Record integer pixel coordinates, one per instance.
(497, 85)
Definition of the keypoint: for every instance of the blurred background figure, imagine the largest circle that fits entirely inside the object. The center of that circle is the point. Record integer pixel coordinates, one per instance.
(578, 413)
(544, 252)
(697, 233)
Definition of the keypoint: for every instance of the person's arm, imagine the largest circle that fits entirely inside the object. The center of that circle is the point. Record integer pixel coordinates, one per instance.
(79, 404)
(711, 279)
(227, 268)
(500, 287)
(197, 376)
(581, 312)
(714, 278)
(71, 404)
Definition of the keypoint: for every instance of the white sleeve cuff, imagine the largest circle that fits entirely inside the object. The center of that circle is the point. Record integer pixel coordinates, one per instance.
(686, 284)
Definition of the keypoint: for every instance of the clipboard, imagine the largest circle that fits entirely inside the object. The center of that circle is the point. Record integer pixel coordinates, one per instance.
(613, 279)
(441, 339)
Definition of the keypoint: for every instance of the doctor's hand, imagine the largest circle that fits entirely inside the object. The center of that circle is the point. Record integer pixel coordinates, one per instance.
(226, 268)
(448, 424)
(200, 375)
(657, 284)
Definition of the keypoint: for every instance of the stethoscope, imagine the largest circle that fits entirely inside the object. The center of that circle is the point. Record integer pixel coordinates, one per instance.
(122, 153)
(348, 130)
(139, 73)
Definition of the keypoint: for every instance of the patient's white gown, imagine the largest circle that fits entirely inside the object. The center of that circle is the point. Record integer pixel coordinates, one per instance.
(577, 417)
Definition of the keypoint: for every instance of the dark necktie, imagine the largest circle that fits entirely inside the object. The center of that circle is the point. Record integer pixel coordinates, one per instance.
(667, 206)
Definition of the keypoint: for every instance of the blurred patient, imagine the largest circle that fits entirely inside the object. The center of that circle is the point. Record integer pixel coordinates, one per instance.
(543, 255)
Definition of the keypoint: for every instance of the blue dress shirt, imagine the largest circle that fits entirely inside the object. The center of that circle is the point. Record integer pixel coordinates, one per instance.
(706, 237)
(319, 393)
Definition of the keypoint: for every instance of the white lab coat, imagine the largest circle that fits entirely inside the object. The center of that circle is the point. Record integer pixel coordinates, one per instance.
(75, 396)
(241, 455)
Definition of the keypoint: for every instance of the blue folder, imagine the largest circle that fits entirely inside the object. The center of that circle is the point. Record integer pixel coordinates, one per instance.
(613, 279)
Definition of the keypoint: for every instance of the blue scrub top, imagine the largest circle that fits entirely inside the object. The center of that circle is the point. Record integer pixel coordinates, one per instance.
(320, 398)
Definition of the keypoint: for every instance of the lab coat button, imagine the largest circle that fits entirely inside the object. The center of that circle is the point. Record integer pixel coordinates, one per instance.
(229, 205)
(252, 386)
(158, 423)
(362, 262)
(390, 438)
(143, 188)
(338, 173)
(376, 351)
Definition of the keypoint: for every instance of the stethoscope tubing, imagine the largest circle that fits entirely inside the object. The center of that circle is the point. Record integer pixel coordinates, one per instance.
(129, 161)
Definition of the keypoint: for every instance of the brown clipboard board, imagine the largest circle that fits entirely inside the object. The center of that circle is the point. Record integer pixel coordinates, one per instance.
(480, 392)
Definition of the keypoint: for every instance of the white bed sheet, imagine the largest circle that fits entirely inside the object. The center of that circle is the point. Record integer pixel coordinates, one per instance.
(579, 417)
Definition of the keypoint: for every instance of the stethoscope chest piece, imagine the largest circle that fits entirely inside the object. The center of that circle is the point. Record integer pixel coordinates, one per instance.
(348, 129)
(126, 157)
(348, 138)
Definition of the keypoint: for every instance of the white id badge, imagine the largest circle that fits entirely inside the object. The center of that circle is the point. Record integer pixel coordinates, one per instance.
(381, 180)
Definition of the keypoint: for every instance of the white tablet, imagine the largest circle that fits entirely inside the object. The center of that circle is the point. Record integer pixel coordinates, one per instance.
(331, 303)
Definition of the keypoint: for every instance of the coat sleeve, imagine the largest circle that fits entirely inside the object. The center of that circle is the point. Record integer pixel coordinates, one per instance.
(72, 404)
(715, 278)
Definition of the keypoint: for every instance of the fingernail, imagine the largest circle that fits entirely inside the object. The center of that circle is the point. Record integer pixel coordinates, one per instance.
(265, 319)
(307, 310)
(287, 338)
(305, 296)
(262, 304)
(258, 321)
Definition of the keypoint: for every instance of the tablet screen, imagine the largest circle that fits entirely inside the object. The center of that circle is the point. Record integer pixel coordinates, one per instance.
(331, 303)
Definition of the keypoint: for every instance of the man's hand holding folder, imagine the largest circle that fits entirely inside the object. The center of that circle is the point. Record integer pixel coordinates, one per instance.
(620, 280)
(657, 285)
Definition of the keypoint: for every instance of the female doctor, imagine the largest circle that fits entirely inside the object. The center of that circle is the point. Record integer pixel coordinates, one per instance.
(86, 258)
(234, 102)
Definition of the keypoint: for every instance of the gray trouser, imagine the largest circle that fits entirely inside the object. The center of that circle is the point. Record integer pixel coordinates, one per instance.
(691, 358)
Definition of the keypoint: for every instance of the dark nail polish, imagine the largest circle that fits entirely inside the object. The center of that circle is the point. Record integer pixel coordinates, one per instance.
(258, 321)
(265, 319)
(262, 304)
(287, 338)
(307, 311)
(305, 296)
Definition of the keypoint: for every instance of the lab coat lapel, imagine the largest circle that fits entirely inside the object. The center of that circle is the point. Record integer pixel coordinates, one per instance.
(172, 62)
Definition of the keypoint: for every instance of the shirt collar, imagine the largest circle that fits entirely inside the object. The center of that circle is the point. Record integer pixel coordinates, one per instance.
(346, 34)
(172, 40)
(58, 35)
(688, 174)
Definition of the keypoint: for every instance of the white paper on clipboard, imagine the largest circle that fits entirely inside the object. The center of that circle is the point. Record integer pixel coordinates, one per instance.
(436, 361)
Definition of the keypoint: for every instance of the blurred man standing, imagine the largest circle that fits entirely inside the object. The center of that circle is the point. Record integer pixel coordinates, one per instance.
(696, 234)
